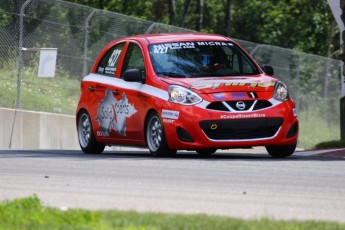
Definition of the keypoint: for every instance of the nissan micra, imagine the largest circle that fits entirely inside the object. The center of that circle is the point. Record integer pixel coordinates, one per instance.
(169, 92)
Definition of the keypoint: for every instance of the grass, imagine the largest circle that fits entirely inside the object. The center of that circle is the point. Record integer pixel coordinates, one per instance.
(335, 144)
(29, 213)
(59, 94)
(315, 129)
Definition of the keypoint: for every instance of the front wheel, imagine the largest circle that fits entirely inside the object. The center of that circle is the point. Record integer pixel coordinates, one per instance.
(155, 137)
(86, 138)
(281, 151)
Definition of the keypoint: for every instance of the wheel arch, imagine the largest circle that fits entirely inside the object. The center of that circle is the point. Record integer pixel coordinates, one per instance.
(78, 115)
(147, 116)
(87, 141)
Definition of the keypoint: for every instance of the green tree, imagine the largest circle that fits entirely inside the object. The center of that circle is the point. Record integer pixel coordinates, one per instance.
(305, 25)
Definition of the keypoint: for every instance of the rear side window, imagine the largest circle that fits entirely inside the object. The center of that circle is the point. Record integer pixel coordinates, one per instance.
(108, 64)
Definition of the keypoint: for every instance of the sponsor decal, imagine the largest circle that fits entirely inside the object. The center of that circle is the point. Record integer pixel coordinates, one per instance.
(214, 44)
(112, 114)
(240, 116)
(238, 95)
(229, 83)
(102, 134)
(110, 68)
(100, 69)
(163, 48)
(218, 96)
(113, 58)
(171, 114)
(168, 121)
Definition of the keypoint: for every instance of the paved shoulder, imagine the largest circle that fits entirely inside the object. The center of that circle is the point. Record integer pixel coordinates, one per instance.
(325, 153)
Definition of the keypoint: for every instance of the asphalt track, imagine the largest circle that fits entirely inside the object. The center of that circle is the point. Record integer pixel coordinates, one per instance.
(306, 186)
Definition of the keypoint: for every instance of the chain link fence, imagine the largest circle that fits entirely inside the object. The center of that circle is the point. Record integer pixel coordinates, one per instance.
(80, 32)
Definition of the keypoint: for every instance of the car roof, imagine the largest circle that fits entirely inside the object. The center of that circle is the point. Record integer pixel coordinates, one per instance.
(179, 37)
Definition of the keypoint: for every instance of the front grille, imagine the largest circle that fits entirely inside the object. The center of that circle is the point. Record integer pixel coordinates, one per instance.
(250, 105)
(241, 129)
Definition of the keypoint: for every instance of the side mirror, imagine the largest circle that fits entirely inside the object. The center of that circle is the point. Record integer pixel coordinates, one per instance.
(133, 75)
(268, 70)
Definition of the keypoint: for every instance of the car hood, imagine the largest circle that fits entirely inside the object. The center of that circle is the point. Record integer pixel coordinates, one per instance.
(257, 83)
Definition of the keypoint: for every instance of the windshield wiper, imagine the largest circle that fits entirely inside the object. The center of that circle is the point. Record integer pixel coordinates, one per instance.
(170, 74)
(222, 75)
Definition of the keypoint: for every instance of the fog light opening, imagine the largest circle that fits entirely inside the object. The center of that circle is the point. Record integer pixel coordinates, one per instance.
(183, 135)
(293, 130)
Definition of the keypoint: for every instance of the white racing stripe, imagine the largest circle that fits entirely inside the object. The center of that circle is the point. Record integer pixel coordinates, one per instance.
(144, 88)
(274, 102)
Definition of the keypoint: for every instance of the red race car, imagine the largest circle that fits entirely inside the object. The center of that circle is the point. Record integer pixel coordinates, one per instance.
(172, 92)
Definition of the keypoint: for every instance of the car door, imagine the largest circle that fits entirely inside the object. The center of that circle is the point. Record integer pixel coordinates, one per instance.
(103, 92)
(134, 92)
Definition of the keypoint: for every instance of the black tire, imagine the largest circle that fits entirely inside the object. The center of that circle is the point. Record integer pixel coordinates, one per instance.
(205, 152)
(87, 141)
(281, 151)
(155, 137)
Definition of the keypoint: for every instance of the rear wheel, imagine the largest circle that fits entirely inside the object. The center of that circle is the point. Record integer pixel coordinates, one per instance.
(281, 151)
(86, 138)
(155, 137)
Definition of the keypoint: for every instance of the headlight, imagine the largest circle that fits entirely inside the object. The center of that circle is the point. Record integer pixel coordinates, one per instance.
(184, 96)
(280, 92)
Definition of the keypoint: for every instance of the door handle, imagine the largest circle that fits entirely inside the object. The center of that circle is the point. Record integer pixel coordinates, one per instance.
(116, 92)
(143, 96)
(91, 89)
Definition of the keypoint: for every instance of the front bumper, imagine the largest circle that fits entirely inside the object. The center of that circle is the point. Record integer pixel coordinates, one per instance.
(199, 128)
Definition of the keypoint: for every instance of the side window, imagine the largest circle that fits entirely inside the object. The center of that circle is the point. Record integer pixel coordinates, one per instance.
(239, 62)
(108, 64)
(134, 59)
(247, 65)
(234, 62)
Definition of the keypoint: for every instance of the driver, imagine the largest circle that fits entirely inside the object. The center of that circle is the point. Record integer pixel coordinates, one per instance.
(208, 59)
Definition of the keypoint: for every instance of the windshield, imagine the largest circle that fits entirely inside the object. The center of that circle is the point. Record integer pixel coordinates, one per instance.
(200, 59)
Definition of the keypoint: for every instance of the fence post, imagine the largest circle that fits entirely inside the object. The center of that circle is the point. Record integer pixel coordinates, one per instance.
(253, 52)
(20, 52)
(150, 29)
(86, 41)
